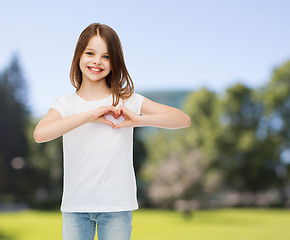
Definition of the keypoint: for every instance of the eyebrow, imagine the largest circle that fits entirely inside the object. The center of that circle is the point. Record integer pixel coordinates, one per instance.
(94, 50)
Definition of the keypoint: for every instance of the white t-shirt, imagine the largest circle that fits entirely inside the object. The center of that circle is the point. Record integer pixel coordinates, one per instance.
(98, 160)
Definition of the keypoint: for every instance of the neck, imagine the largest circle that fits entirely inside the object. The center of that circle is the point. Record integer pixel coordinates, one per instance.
(90, 90)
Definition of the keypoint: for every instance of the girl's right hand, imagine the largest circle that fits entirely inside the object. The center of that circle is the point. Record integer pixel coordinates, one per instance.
(98, 115)
(52, 125)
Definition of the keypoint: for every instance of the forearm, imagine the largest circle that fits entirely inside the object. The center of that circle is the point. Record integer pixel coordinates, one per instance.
(51, 129)
(172, 119)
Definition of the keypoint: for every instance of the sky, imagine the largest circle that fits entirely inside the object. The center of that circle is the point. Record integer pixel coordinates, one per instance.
(168, 45)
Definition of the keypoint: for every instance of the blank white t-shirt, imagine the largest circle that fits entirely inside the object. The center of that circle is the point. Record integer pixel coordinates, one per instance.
(98, 160)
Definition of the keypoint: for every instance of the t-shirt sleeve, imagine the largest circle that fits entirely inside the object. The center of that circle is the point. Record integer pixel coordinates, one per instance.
(58, 105)
(135, 102)
(139, 101)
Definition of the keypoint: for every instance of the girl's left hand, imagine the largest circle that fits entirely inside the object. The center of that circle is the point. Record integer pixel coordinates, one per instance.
(131, 119)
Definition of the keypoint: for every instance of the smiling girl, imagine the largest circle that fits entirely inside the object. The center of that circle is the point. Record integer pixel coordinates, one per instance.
(96, 123)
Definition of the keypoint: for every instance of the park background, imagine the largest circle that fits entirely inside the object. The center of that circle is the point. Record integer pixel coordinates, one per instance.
(224, 63)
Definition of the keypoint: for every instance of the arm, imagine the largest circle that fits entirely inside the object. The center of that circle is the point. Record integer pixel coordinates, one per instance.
(154, 115)
(52, 126)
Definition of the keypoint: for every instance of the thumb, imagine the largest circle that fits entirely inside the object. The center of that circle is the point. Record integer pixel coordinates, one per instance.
(121, 125)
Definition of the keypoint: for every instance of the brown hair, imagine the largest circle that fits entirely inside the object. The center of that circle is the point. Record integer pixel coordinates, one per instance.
(118, 80)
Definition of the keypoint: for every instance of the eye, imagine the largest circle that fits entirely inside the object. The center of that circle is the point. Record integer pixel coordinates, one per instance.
(89, 53)
(106, 57)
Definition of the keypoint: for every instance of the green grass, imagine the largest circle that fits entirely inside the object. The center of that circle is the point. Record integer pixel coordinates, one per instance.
(236, 224)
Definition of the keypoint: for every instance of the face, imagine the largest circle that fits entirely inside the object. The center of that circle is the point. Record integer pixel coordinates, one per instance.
(94, 62)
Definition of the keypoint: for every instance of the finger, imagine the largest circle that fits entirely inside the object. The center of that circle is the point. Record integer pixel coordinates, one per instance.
(120, 108)
(121, 125)
(118, 111)
(114, 110)
(102, 111)
(106, 121)
(125, 111)
(124, 116)
(111, 114)
(110, 109)
(116, 115)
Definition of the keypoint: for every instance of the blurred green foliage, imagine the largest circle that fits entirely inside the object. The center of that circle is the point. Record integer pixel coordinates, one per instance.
(236, 152)
(238, 146)
(14, 118)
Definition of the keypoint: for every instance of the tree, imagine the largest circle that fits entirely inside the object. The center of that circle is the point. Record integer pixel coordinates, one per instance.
(44, 165)
(179, 164)
(243, 154)
(13, 123)
(276, 125)
(139, 157)
(239, 141)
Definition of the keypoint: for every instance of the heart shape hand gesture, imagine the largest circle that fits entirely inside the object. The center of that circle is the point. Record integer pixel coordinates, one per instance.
(116, 117)
(131, 119)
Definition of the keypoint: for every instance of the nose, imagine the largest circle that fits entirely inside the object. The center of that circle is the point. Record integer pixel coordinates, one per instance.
(97, 60)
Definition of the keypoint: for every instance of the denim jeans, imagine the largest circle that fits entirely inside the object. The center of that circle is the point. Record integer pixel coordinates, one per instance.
(110, 225)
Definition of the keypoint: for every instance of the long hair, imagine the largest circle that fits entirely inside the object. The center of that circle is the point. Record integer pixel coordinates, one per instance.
(118, 80)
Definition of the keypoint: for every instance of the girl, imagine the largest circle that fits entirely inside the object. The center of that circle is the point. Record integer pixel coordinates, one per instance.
(97, 123)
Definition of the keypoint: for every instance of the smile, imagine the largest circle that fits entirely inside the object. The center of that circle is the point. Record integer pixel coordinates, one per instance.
(95, 70)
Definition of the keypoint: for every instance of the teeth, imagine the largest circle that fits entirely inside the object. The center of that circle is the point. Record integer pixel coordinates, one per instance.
(96, 69)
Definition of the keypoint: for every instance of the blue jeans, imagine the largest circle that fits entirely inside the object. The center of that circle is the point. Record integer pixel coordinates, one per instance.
(110, 225)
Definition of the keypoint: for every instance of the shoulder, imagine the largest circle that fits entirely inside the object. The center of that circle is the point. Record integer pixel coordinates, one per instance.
(67, 96)
(63, 100)
(134, 102)
(134, 97)
(63, 103)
